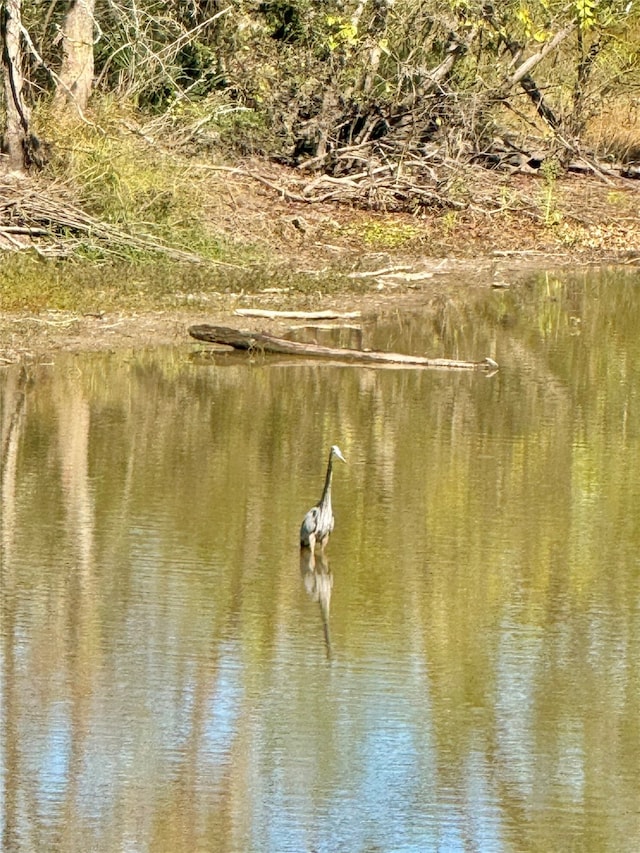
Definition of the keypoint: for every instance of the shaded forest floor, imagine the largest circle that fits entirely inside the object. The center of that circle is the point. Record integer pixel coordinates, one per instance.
(576, 218)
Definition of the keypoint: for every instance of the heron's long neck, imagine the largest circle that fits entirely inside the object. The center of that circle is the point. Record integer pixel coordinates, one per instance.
(326, 492)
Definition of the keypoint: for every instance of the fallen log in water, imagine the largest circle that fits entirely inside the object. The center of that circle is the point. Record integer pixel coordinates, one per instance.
(268, 343)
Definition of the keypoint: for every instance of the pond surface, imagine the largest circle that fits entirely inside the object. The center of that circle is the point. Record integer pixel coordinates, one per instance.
(460, 672)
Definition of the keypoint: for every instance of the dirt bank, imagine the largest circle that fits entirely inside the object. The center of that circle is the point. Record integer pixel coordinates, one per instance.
(400, 285)
(387, 261)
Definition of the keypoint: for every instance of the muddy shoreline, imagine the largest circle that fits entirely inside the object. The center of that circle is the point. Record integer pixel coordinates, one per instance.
(320, 256)
(27, 335)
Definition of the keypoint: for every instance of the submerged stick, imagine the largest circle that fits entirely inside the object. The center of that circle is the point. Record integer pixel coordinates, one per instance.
(268, 343)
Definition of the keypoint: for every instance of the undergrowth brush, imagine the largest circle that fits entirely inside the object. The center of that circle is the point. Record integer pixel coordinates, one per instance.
(119, 174)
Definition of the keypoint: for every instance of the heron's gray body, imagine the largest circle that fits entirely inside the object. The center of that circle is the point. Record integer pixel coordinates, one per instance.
(318, 522)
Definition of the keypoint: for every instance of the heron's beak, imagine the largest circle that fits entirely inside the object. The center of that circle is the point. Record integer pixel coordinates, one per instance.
(338, 453)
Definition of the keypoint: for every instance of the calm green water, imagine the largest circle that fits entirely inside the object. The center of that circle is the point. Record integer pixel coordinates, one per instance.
(462, 671)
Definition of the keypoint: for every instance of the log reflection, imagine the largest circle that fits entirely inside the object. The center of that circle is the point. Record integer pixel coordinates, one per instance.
(318, 583)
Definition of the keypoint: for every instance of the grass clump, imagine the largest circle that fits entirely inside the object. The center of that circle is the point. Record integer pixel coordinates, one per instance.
(29, 283)
(383, 234)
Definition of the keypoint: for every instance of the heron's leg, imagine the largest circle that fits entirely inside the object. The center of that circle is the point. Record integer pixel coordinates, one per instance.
(312, 542)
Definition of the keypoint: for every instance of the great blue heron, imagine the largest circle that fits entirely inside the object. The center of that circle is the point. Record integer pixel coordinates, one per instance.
(318, 522)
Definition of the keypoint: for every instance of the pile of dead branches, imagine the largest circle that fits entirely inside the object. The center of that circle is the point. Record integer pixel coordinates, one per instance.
(370, 178)
(54, 226)
(411, 183)
(379, 183)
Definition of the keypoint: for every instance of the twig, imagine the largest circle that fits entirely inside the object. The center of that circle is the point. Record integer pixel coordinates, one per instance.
(376, 273)
(298, 315)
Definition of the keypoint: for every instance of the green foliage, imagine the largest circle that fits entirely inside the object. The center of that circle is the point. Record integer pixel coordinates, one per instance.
(122, 178)
(243, 130)
(381, 234)
(344, 33)
(586, 13)
(295, 78)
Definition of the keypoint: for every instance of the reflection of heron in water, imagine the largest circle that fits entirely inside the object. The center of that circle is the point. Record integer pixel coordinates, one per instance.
(318, 522)
(318, 582)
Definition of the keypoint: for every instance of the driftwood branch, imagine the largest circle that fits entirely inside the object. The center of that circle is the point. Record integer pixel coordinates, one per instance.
(298, 315)
(267, 343)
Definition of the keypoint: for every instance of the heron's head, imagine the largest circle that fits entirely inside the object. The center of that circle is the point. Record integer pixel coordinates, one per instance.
(335, 451)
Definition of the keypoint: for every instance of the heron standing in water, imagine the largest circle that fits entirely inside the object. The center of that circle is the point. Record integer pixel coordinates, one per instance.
(318, 522)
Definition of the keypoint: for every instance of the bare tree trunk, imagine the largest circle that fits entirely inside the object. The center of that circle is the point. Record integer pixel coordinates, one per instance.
(16, 139)
(76, 73)
(522, 75)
